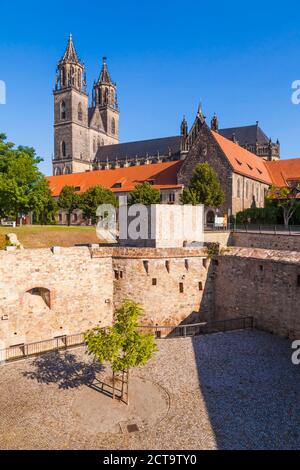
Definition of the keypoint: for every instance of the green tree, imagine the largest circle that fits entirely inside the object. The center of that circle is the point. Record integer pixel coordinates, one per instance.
(285, 199)
(204, 187)
(145, 194)
(94, 197)
(22, 185)
(45, 206)
(122, 345)
(69, 201)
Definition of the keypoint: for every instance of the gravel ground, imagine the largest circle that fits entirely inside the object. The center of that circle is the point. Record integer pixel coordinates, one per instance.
(236, 390)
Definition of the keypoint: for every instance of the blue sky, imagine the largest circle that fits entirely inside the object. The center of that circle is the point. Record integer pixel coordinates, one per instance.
(238, 59)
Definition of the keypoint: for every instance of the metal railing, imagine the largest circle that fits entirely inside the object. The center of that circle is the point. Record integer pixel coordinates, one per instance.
(273, 229)
(196, 329)
(22, 351)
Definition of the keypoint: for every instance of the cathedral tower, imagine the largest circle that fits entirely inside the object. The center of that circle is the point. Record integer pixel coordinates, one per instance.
(71, 134)
(105, 99)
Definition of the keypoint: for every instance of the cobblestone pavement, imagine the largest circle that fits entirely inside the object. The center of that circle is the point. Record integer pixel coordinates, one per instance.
(233, 390)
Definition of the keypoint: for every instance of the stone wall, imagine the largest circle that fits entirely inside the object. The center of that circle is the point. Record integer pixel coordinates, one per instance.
(265, 241)
(261, 283)
(44, 294)
(172, 285)
(80, 293)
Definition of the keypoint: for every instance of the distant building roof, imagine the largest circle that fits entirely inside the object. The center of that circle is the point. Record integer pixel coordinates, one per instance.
(161, 175)
(246, 134)
(242, 161)
(142, 148)
(283, 171)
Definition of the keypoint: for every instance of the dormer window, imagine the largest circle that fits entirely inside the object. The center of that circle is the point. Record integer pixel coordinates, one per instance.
(117, 185)
(250, 167)
(77, 189)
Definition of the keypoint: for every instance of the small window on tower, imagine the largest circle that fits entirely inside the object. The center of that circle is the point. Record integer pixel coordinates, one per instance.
(113, 126)
(63, 110)
(63, 148)
(79, 112)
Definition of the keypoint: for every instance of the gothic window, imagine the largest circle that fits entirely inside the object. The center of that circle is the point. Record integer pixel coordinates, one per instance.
(57, 171)
(79, 79)
(94, 145)
(72, 76)
(63, 148)
(238, 189)
(67, 170)
(79, 112)
(247, 189)
(113, 126)
(98, 143)
(63, 76)
(63, 110)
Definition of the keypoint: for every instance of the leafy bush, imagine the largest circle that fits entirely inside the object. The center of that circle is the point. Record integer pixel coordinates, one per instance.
(259, 215)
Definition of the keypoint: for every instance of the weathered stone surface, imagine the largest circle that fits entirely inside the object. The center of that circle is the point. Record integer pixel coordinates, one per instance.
(264, 284)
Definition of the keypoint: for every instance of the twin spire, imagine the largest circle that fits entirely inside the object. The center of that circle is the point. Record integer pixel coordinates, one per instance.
(70, 54)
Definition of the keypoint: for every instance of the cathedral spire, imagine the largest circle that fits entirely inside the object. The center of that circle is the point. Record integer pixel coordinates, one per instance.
(70, 54)
(70, 71)
(104, 75)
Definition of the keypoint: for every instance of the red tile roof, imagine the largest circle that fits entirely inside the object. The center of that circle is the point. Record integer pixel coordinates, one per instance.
(163, 175)
(282, 171)
(242, 161)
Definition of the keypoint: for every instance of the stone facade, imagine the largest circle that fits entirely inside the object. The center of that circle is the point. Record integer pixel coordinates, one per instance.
(50, 293)
(45, 294)
(80, 129)
(267, 241)
(264, 284)
(79, 293)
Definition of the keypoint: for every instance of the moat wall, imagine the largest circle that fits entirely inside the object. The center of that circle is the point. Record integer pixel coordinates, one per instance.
(81, 287)
(266, 241)
(80, 293)
(261, 283)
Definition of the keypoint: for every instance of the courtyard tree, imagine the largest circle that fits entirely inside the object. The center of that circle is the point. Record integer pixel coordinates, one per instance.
(122, 345)
(69, 200)
(23, 188)
(286, 199)
(91, 199)
(204, 187)
(145, 194)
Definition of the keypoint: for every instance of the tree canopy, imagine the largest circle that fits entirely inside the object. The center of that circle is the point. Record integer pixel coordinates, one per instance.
(204, 187)
(69, 200)
(145, 194)
(23, 188)
(285, 198)
(122, 345)
(94, 197)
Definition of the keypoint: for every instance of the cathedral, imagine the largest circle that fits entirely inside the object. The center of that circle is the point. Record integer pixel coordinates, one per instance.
(86, 134)
(87, 151)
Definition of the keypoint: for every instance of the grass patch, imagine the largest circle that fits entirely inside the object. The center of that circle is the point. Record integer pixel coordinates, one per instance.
(44, 236)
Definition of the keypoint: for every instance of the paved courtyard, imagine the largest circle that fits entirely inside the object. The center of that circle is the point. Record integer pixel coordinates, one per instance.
(222, 391)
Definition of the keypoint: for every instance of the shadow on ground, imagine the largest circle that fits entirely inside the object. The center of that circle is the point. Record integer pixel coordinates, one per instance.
(250, 388)
(63, 369)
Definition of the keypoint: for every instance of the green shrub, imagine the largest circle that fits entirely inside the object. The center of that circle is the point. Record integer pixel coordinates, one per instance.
(259, 215)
